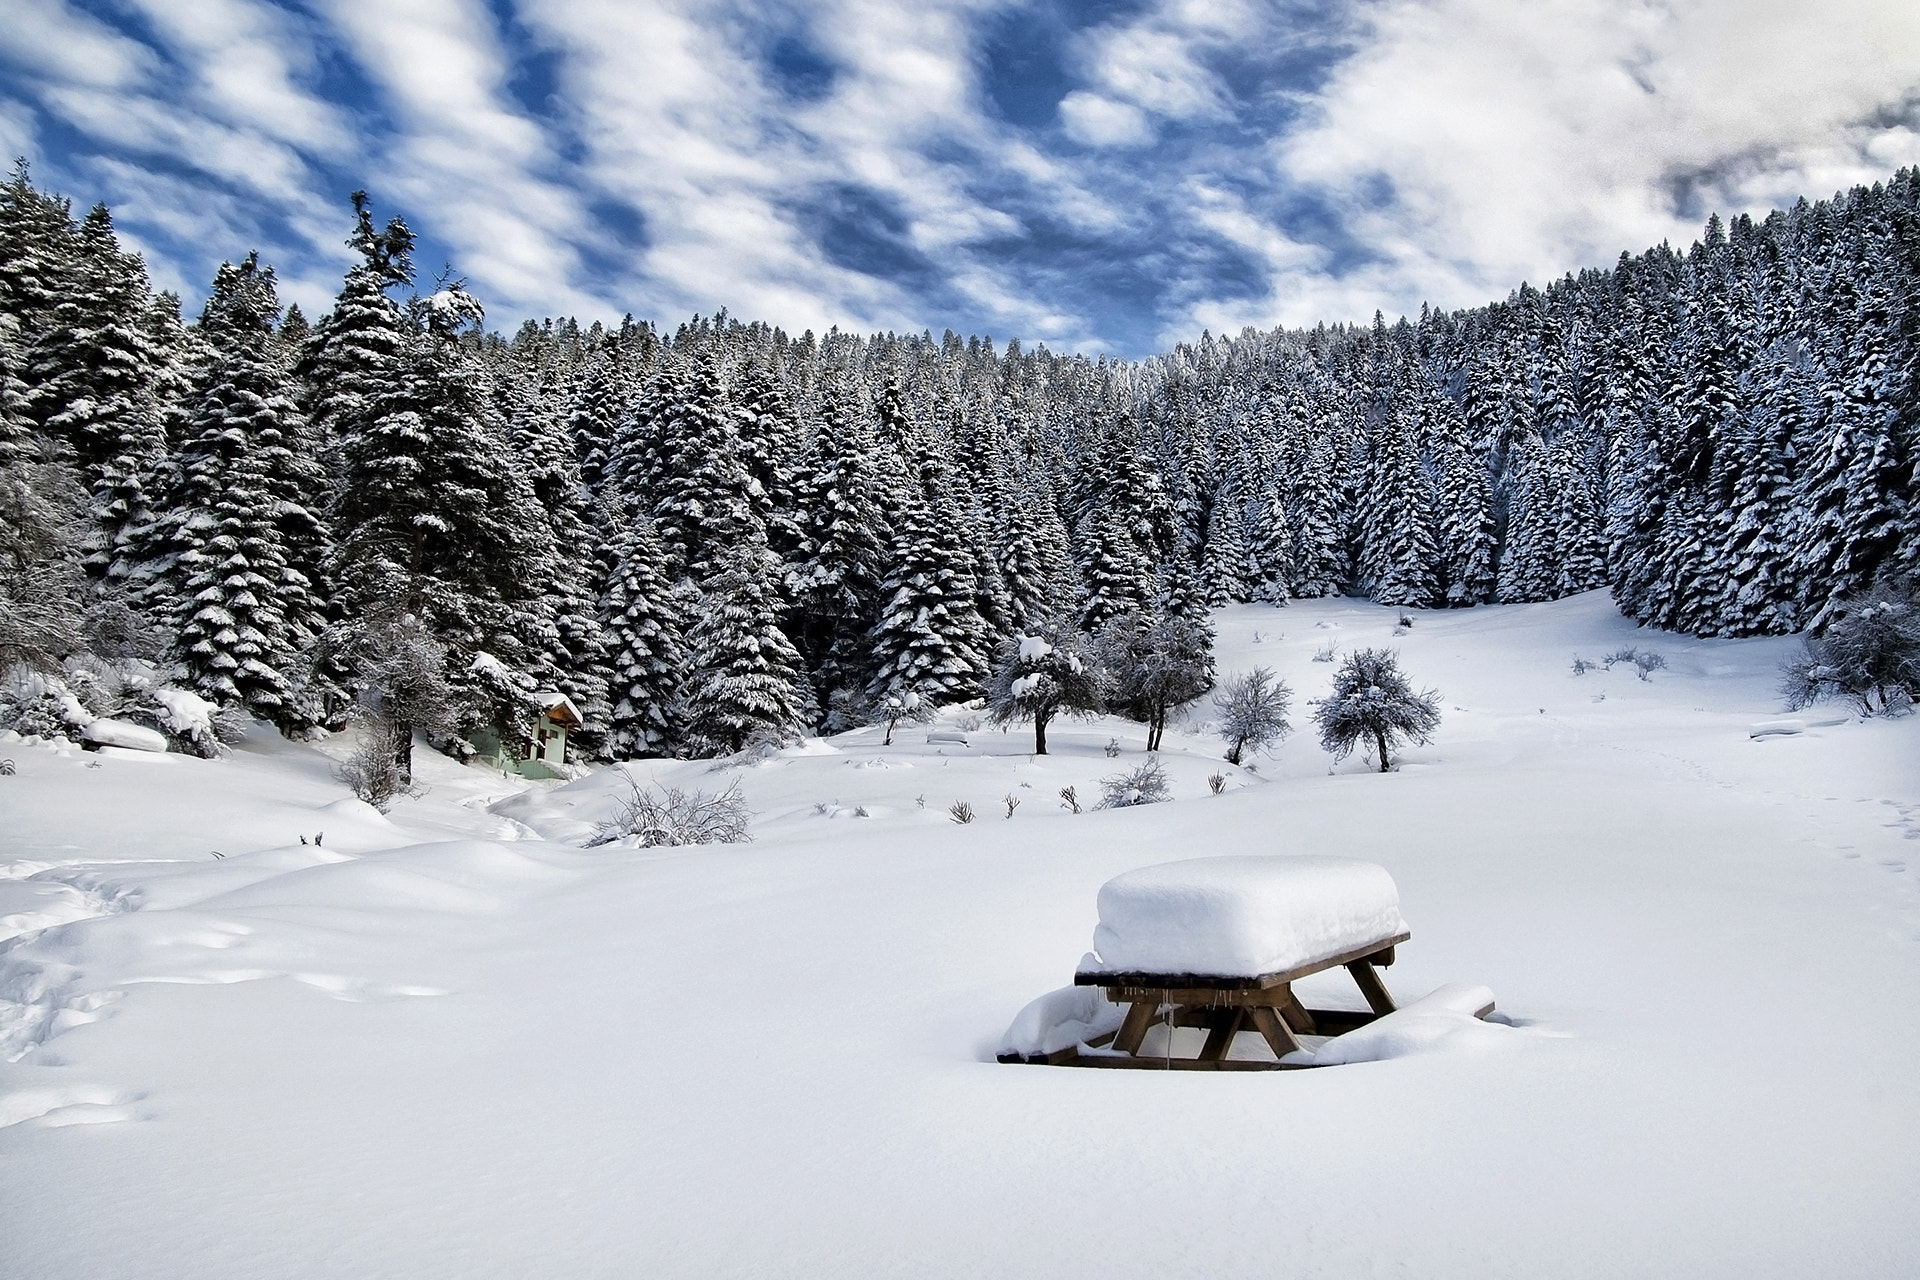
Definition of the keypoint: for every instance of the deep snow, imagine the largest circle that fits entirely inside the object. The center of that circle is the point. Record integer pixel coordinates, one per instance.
(447, 1042)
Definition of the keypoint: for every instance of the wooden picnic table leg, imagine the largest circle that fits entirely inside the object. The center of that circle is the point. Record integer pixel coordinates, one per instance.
(1133, 1028)
(1220, 1035)
(1293, 1011)
(1278, 1034)
(1371, 987)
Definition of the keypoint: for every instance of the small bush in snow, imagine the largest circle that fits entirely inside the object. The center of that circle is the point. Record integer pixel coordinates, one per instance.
(6, 768)
(1253, 712)
(1373, 705)
(662, 817)
(1581, 666)
(1645, 661)
(1012, 802)
(1070, 799)
(1406, 620)
(1869, 652)
(372, 769)
(1145, 783)
(1112, 748)
(1325, 652)
(1216, 782)
(961, 812)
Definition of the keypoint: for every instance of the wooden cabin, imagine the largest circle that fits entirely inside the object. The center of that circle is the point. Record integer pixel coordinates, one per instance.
(546, 741)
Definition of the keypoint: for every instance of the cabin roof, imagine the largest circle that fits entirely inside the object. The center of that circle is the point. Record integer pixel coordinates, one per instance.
(560, 709)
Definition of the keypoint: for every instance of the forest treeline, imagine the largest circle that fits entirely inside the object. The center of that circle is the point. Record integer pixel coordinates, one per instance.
(725, 531)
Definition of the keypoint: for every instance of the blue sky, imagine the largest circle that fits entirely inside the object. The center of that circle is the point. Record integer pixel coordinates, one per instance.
(1108, 176)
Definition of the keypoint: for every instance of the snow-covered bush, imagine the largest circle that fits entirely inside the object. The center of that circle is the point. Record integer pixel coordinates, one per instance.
(1869, 652)
(40, 704)
(1145, 783)
(663, 816)
(1253, 712)
(1373, 704)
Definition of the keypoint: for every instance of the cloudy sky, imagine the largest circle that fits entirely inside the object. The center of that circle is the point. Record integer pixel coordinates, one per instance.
(1098, 176)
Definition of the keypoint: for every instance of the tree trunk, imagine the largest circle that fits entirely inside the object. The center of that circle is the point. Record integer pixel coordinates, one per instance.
(1039, 735)
(403, 751)
(1380, 736)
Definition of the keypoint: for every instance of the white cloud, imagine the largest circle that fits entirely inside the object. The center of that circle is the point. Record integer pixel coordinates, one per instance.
(1101, 122)
(1524, 138)
(467, 165)
(17, 130)
(47, 40)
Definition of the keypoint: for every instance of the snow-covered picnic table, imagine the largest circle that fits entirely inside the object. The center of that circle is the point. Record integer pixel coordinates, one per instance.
(1218, 943)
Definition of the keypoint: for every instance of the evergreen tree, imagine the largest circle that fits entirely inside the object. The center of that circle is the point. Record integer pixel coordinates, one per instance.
(930, 639)
(645, 630)
(244, 612)
(748, 682)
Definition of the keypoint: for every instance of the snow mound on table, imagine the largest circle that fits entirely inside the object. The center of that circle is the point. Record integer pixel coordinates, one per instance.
(1445, 1019)
(1241, 916)
(1059, 1020)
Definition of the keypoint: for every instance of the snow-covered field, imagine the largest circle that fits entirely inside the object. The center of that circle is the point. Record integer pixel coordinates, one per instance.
(451, 1043)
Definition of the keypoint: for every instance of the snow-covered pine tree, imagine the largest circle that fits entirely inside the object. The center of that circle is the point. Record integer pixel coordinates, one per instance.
(747, 681)
(1118, 576)
(1034, 559)
(1224, 569)
(834, 578)
(646, 638)
(574, 661)
(1270, 550)
(351, 363)
(930, 640)
(705, 501)
(1320, 557)
(40, 583)
(434, 519)
(1400, 555)
(243, 612)
(90, 376)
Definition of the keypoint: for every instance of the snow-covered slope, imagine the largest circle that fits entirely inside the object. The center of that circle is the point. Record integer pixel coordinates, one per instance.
(450, 1042)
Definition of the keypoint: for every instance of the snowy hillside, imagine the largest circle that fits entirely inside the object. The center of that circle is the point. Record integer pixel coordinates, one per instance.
(449, 1041)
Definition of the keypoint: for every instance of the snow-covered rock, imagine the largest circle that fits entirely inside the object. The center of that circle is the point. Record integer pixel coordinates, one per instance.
(1241, 916)
(120, 733)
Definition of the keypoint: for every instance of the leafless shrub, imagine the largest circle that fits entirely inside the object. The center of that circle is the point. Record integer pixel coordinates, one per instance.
(374, 769)
(1325, 652)
(1012, 802)
(1112, 748)
(1145, 783)
(1581, 665)
(1216, 782)
(961, 812)
(662, 816)
(1070, 799)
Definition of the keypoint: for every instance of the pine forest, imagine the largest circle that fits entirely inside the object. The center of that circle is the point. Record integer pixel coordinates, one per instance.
(723, 535)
